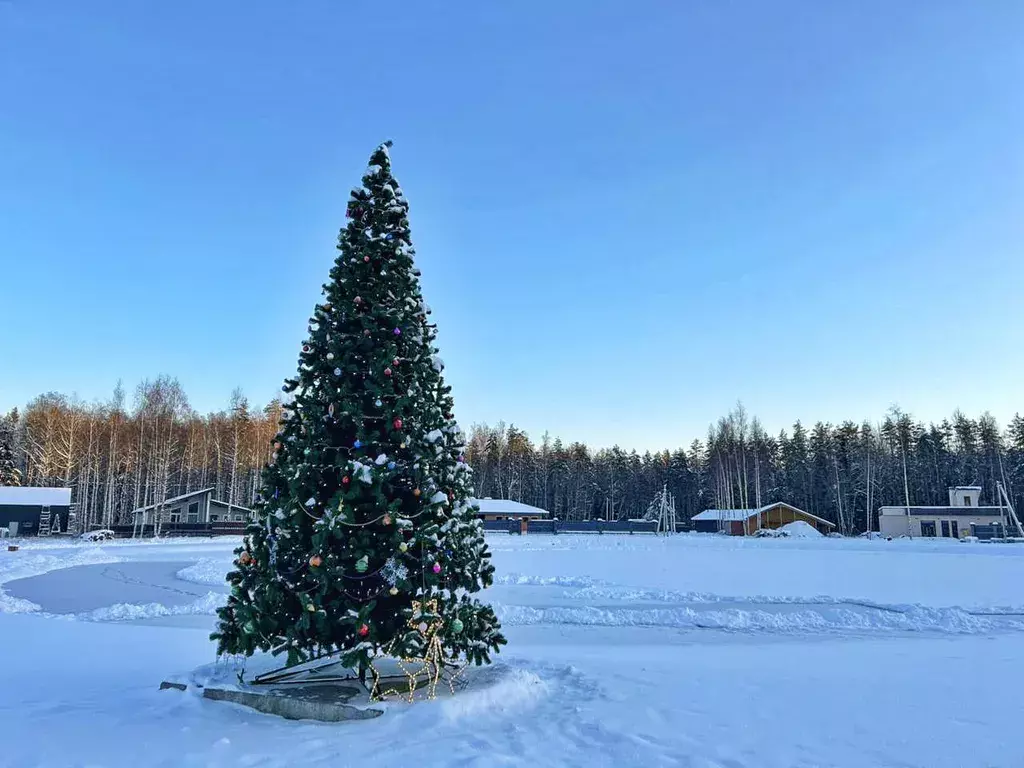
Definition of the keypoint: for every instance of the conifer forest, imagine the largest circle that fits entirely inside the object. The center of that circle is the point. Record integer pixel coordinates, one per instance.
(152, 446)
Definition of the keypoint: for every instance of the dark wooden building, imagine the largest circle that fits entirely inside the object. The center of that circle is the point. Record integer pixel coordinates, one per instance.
(24, 511)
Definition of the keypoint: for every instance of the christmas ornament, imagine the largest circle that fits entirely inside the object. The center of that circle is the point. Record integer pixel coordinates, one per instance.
(362, 564)
(397, 423)
(245, 558)
(358, 299)
(345, 480)
(277, 446)
(305, 347)
(393, 572)
(330, 409)
(456, 626)
(330, 355)
(366, 259)
(337, 371)
(311, 608)
(366, 332)
(403, 547)
(422, 627)
(401, 445)
(437, 568)
(378, 402)
(396, 361)
(315, 561)
(416, 492)
(386, 519)
(393, 591)
(357, 444)
(387, 371)
(363, 630)
(398, 331)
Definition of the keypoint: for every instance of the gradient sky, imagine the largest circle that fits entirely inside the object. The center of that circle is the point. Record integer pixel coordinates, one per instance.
(629, 215)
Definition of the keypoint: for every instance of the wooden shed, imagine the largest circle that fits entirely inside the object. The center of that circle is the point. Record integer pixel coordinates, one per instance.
(740, 522)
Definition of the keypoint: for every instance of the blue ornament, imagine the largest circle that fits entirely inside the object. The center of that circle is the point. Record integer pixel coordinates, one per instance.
(391, 465)
(357, 444)
(378, 403)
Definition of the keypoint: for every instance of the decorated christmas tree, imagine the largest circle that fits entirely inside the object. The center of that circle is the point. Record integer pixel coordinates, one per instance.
(366, 543)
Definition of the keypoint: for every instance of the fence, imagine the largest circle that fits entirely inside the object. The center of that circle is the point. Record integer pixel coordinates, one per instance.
(226, 528)
(556, 527)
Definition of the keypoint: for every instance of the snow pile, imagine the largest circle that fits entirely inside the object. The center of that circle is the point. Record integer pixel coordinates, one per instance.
(208, 572)
(206, 605)
(799, 529)
(496, 692)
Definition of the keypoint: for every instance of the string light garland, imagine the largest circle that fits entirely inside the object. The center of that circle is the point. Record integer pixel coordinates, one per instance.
(431, 666)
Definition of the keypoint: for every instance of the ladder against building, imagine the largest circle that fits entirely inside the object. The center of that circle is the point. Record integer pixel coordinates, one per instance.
(663, 510)
(1004, 503)
(44, 522)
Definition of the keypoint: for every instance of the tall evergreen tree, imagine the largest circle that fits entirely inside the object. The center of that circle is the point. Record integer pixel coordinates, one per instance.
(9, 473)
(365, 508)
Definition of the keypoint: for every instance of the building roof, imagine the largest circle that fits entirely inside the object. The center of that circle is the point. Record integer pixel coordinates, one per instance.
(893, 510)
(965, 488)
(735, 515)
(175, 500)
(230, 507)
(31, 496)
(508, 507)
(725, 514)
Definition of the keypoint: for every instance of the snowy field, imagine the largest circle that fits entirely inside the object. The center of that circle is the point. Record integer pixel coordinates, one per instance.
(697, 651)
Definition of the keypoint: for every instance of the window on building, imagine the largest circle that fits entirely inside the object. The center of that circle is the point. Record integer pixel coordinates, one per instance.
(945, 529)
(967, 501)
(176, 515)
(928, 528)
(193, 512)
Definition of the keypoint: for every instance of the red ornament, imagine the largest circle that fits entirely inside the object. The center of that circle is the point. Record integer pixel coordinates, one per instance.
(345, 480)
(387, 371)
(363, 630)
(398, 423)
(305, 347)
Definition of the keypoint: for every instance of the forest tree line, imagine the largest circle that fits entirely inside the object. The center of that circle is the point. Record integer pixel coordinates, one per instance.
(117, 456)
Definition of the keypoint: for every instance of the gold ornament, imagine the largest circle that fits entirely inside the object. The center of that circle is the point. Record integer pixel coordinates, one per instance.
(417, 492)
(403, 547)
(311, 608)
(315, 561)
(393, 591)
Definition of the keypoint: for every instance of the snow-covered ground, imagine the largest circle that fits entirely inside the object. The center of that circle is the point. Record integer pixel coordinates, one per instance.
(698, 651)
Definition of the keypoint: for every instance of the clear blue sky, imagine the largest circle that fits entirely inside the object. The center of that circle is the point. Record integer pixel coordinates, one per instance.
(628, 215)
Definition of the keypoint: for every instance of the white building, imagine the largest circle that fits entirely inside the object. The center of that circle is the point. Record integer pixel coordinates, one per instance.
(962, 517)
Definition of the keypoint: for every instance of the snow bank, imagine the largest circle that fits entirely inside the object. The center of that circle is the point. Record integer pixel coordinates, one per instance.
(800, 529)
(204, 606)
(208, 572)
(497, 692)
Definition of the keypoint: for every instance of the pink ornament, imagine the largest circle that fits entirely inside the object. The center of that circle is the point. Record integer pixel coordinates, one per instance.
(398, 423)
(364, 630)
(387, 371)
(396, 361)
(358, 299)
(366, 259)
(437, 567)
